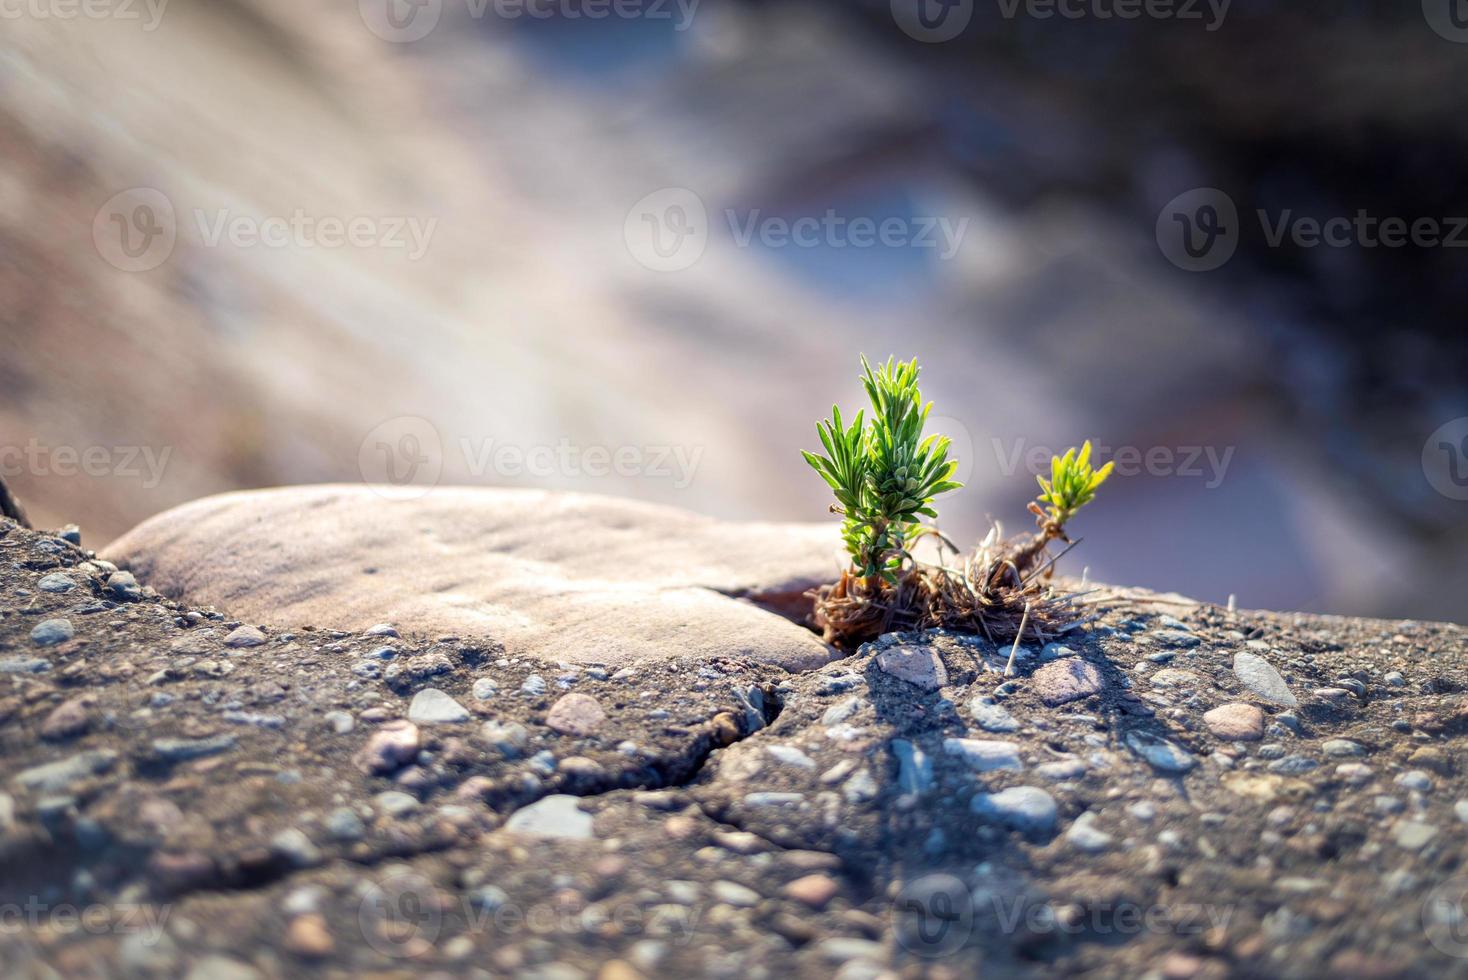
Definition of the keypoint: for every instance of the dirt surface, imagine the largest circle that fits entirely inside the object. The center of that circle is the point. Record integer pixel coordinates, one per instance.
(185, 795)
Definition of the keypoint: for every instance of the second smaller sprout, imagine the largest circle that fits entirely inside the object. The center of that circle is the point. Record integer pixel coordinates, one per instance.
(1071, 486)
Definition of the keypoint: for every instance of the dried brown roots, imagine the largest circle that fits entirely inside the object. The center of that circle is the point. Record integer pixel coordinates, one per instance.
(988, 596)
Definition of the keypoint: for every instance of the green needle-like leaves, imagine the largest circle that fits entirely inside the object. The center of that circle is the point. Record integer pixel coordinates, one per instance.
(884, 473)
(1072, 484)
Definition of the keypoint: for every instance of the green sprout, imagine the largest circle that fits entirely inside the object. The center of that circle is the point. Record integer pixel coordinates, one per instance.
(884, 473)
(1071, 486)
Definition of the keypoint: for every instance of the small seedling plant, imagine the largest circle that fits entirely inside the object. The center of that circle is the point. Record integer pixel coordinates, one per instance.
(886, 475)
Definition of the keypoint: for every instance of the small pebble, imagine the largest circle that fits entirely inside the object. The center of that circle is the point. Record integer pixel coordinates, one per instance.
(52, 632)
(244, 638)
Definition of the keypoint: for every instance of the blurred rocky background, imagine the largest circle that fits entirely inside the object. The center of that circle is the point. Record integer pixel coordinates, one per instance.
(1283, 407)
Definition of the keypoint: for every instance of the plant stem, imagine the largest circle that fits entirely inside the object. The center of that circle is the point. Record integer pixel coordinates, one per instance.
(1023, 622)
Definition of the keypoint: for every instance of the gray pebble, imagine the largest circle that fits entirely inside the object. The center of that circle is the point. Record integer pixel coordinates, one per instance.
(488, 898)
(24, 665)
(343, 823)
(1027, 809)
(982, 755)
(1062, 769)
(1160, 753)
(554, 816)
(1388, 805)
(57, 776)
(1175, 638)
(1293, 765)
(731, 893)
(841, 711)
(1413, 835)
(1256, 674)
(123, 585)
(1086, 836)
(396, 803)
(244, 637)
(860, 788)
(56, 582)
(992, 717)
(431, 706)
(255, 718)
(52, 632)
(1416, 780)
(1343, 747)
(293, 845)
(789, 755)
(184, 749)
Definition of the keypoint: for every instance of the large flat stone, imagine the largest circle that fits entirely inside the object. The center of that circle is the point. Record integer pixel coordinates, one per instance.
(555, 575)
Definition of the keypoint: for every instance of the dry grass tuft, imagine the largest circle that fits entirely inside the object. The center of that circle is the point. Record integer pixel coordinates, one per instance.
(988, 595)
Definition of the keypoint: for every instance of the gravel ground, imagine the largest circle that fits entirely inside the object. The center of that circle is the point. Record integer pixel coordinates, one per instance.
(1179, 791)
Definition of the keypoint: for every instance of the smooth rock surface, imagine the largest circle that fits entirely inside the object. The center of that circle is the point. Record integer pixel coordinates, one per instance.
(1027, 809)
(52, 632)
(554, 816)
(562, 576)
(1160, 753)
(576, 714)
(983, 755)
(1066, 680)
(431, 706)
(918, 666)
(1235, 722)
(1256, 674)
